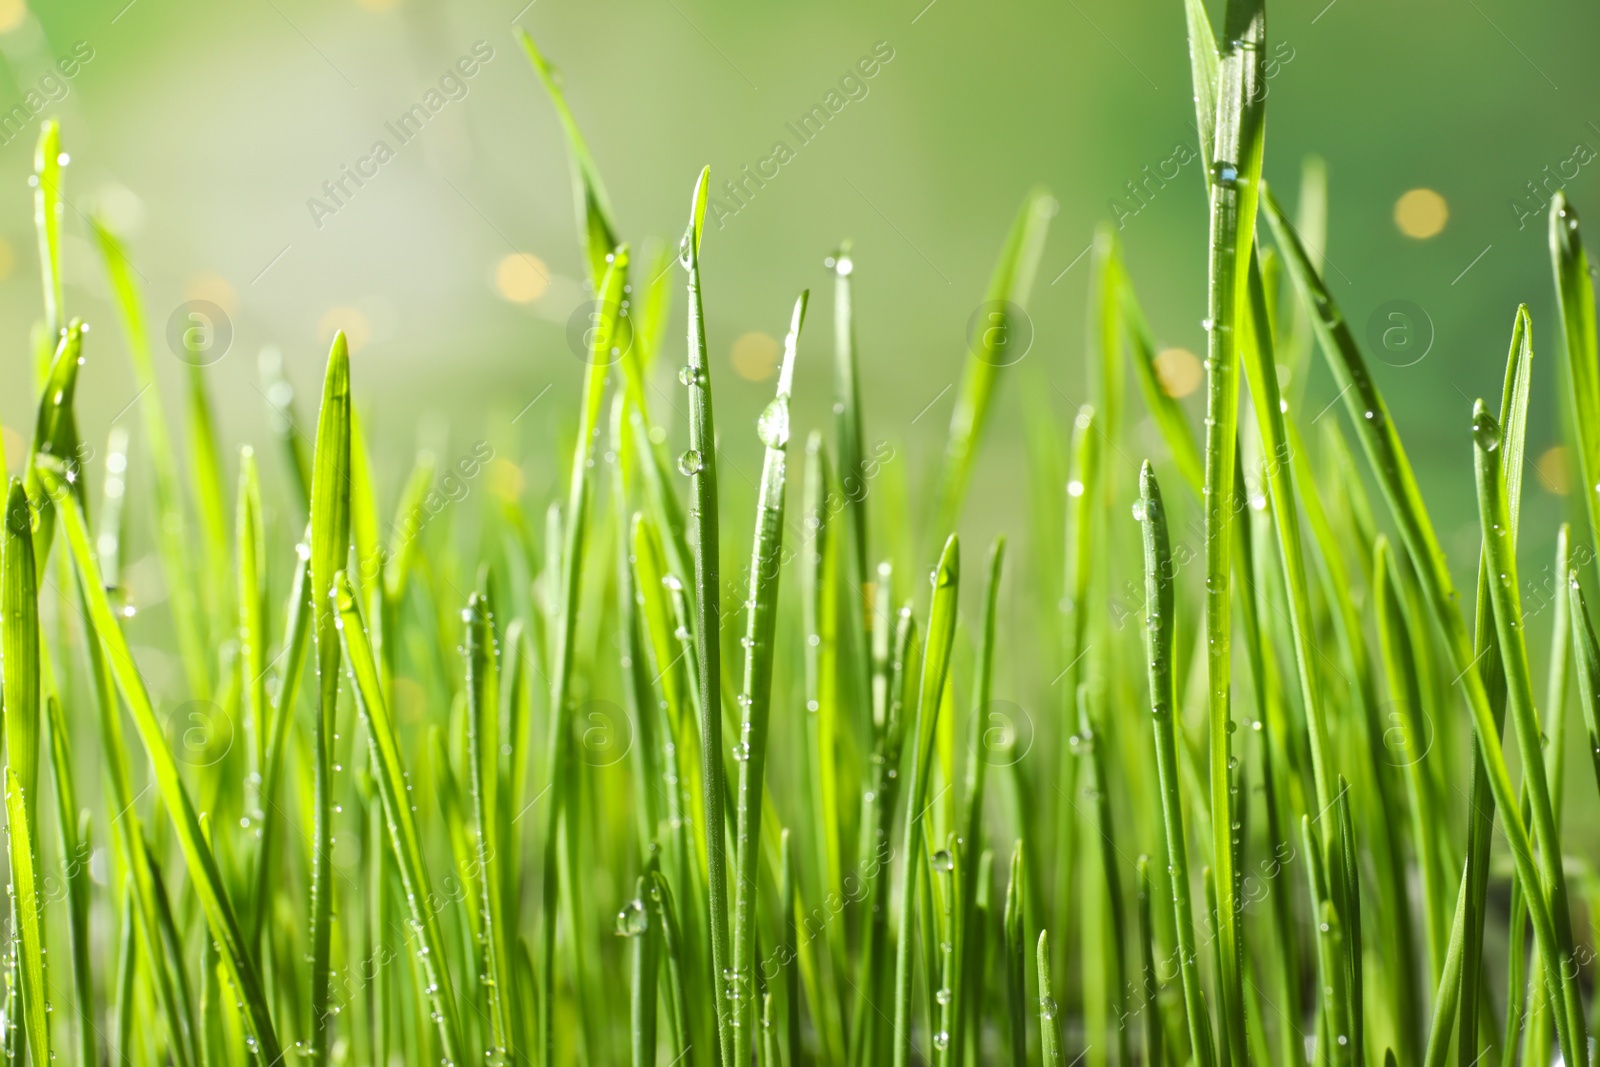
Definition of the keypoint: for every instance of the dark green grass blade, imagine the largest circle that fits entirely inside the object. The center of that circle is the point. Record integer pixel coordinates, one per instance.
(1154, 1045)
(203, 871)
(1159, 630)
(483, 732)
(644, 939)
(1014, 959)
(1575, 294)
(1049, 1028)
(935, 675)
(1008, 294)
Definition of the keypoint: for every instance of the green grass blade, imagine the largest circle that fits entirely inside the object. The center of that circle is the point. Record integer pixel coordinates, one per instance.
(204, 874)
(47, 200)
(848, 420)
(330, 549)
(756, 700)
(1007, 295)
(1159, 630)
(76, 851)
(395, 790)
(1049, 1029)
(29, 923)
(205, 477)
(1015, 962)
(1575, 295)
(634, 924)
(935, 675)
(1205, 70)
(1154, 1040)
(483, 733)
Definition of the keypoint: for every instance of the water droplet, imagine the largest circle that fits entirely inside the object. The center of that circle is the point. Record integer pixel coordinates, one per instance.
(690, 462)
(942, 861)
(632, 919)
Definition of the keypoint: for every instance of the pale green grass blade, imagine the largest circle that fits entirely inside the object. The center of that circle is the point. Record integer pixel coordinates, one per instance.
(1049, 1028)
(1205, 69)
(205, 479)
(47, 201)
(251, 621)
(946, 580)
(29, 922)
(595, 224)
(205, 877)
(1387, 458)
(755, 702)
(395, 789)
(1154, 1039)
(1159, 631)
(284, 420)
(330, 549)
(483, 739)
(848, 419)
(1007, 294)
(172, 540)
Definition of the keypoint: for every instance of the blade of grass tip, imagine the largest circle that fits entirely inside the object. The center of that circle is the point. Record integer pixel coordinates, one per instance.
(282, 417)
(1236, 170)
(171, 526)
(1205, 69)
(205, 877)
(55, 433)
(570, 540)
(1575, 295)
(1015, 961)
(1499, 523)
(29, 923)
(1154, 1053)
(1389, 464)
(73, 827)
(847, 399)
(991, 349)
(1049, 1029)
(700, 464)
(946, 579)
(394, 788)
(756, 700)
(1587, 648)
(1159, 630)
(483, 731)
(978, 758)
(330, 549)
(595, 224)
(47, 161)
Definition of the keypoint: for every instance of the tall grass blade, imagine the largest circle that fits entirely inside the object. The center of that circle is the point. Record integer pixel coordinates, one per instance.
(1049, 1029)
(1015, 960)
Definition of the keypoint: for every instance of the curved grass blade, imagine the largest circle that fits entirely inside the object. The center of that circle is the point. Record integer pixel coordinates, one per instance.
(1388, 461)
(1006, 298)
(756, 700)
(204, 874)
(1159, 574)
(935, 675)
(394, 789)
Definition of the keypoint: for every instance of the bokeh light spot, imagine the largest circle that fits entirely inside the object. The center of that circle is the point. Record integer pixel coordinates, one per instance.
(1555, 472)
(357, 331)
(206, 285)
(1179, 371)
(1421, 213)
(521, 278)
(755, 356)
(12, 12)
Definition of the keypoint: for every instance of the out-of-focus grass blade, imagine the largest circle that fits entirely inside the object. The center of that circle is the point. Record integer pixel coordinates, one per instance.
(205, 476)
(1575, 293)
(756, 700)
(1154, 1042)
(594, 209)
(47, 199)
(935, 675)
(678, 982)
(1159, 575)
(1205, 68)
(1587, 647)
(279, 394)
(1311, 223)
(991, 349)
(204, 874)
(1388, 461)
(330, 549)
(172, 541)
(252, 617)
(395, 791)
(1165, 409)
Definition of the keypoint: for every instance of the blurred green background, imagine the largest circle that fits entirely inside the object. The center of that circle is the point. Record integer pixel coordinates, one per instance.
(203, 131)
